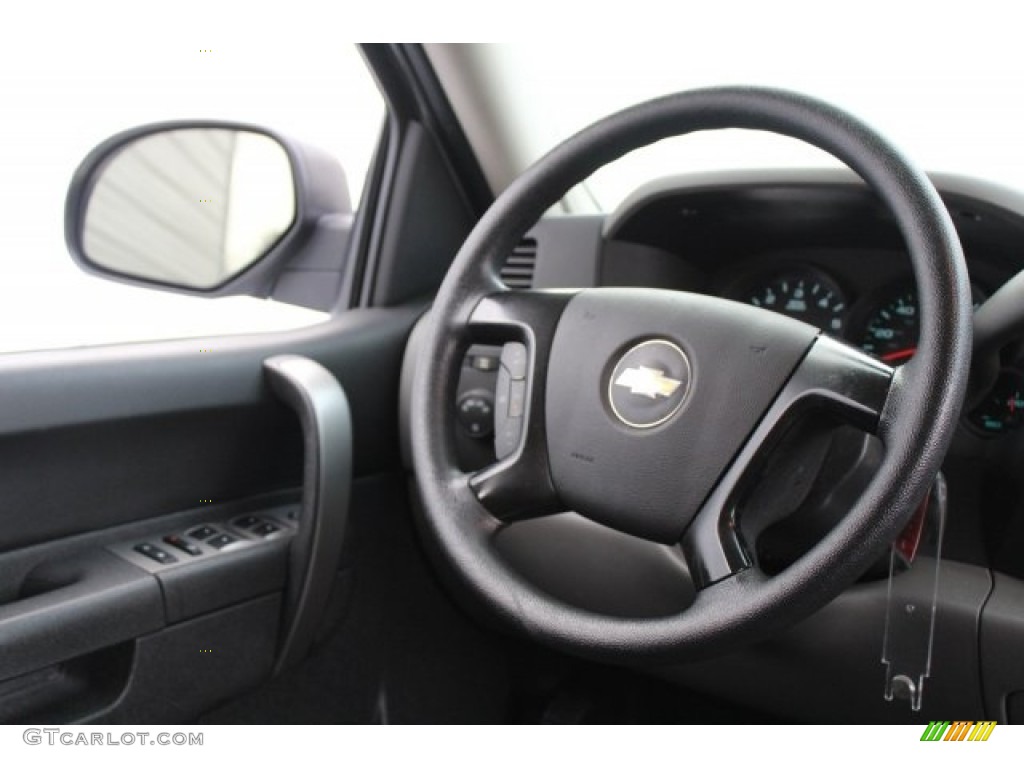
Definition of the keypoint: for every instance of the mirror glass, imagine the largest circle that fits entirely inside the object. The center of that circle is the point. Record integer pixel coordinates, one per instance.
(191, 207)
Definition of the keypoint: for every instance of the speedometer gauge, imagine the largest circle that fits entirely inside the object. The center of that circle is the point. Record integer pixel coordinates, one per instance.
(805, 294)
(891, 333)
(892, 326)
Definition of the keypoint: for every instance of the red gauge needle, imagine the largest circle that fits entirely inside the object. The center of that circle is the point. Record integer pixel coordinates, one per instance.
(899, 354)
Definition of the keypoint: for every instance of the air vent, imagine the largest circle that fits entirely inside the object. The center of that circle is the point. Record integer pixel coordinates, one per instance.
(518, 269)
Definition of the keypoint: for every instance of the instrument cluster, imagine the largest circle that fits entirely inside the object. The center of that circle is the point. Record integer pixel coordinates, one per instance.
(884, 323)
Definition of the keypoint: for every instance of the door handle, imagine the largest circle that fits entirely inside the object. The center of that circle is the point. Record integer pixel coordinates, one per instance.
(322, 407)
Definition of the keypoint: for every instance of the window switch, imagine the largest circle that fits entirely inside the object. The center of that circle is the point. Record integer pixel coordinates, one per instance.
(185, 546)
(155, 553)
(222, 540)
(246, 522)
(265, 529)
(202, 532)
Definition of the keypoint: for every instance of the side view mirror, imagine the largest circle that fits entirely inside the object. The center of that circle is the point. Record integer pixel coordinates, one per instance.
(206, 208)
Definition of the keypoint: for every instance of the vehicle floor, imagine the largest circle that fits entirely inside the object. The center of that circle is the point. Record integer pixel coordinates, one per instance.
(578, 693)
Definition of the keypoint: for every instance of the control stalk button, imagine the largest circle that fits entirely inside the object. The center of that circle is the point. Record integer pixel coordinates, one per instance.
(475, 411)
(513, 359)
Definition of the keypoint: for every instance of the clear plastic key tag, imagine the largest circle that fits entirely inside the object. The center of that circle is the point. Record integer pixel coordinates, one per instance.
(913, 591)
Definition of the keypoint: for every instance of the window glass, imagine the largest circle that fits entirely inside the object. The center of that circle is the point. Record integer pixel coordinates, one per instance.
(66, 87)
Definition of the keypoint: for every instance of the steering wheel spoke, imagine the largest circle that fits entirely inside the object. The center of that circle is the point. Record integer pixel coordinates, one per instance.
(833, 377)
(851, 385)
(529, 317)
(517, 488)
(519, 485)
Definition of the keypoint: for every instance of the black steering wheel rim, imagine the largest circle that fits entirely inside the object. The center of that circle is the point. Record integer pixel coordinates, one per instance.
(916, 422)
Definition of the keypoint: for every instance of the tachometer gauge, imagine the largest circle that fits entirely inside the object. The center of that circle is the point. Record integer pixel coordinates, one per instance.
(805, 294)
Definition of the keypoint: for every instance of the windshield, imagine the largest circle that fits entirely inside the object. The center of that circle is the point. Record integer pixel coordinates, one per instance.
(951, 96)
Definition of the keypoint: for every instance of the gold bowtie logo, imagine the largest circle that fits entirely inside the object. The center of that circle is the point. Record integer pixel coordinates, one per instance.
(648, 382)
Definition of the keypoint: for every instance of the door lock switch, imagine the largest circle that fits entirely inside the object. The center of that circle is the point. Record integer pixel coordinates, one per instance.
(181, 543)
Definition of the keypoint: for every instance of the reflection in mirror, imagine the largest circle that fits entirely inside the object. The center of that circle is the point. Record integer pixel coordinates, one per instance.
(191, 207)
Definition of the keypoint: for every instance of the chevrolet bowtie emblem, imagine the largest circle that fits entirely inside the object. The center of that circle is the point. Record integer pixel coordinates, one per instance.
(649, 382)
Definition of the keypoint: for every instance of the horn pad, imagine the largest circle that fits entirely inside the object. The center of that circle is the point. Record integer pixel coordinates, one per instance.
(650, 394)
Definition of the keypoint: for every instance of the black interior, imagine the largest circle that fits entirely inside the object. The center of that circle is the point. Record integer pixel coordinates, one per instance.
(105, 450)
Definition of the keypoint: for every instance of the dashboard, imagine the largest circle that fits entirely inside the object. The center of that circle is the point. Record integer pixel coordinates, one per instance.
(884, 322)
(817, 246)
(880, 316)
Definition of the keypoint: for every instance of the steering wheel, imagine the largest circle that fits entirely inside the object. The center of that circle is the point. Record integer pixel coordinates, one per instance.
(648, 410)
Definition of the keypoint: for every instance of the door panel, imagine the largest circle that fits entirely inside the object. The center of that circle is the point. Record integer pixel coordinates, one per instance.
(93, 438)
(100, 449)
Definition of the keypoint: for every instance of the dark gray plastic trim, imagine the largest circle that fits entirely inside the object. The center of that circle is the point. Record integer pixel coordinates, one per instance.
(322, 407)
(171, 681)
(214, 584)
(74, 607)
(1002, 663)
(421, 231)
(945, 183)
(828, 668)
(567, 251)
